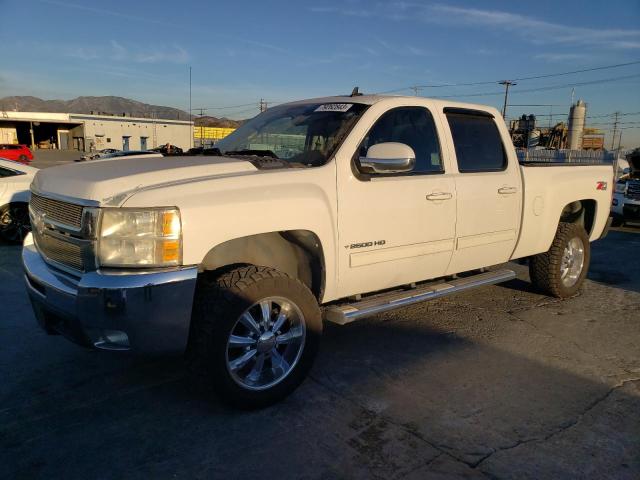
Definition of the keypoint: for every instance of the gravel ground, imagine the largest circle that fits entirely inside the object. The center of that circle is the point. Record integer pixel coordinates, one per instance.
(499, 382)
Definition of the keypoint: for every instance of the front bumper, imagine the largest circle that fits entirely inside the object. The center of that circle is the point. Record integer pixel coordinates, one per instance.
(145, 312)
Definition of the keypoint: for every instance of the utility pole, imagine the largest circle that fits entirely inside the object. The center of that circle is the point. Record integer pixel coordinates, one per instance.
(190, 112)
(615, 130)
(263, 105)
(507, 84)
(620, 141)
(415, 89)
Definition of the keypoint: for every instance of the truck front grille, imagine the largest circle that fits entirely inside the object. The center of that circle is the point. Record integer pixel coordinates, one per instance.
(633, 190)
(60, 251)
(57, 211)
(57, 228)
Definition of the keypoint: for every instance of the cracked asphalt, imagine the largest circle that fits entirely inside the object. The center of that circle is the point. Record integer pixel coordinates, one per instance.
(499, 382)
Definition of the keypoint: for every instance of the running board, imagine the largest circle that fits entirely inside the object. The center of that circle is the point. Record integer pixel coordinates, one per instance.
(350, 312)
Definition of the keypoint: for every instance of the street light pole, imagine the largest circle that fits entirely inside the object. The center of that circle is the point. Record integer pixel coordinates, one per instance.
(507, 84)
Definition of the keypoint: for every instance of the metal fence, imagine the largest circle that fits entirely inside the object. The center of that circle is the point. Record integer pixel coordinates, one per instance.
(566, 156)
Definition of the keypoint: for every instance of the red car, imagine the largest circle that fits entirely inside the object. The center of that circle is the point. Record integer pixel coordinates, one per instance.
(18, 153)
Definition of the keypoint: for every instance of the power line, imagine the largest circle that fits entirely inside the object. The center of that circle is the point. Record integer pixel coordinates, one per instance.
(228, 107)
(541, 89)
(531, 77)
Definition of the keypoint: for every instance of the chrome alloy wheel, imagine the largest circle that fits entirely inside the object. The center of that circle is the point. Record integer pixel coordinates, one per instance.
(266, 343)
(572, 262)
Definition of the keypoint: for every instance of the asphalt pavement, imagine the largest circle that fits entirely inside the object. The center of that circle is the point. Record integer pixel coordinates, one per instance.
(500, 382)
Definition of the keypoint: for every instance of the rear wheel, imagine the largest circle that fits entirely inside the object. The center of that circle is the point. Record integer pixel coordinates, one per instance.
(255, 334)
(561, 270)
(14, 222)
(22, 158)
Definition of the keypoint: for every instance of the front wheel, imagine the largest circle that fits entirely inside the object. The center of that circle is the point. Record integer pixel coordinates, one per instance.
(561, 270)
(14, 222)
(255, 334)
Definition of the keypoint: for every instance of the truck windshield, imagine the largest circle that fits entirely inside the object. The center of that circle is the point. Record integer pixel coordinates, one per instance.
(305, 133)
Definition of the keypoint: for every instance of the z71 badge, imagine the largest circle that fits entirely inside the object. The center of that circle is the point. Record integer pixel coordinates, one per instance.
(377, 243)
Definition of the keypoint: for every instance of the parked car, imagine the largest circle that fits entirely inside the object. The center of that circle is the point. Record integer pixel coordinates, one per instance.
(15, 179)
(168, 149)
(334, 208)
(18, 153)
(625, 205)
(97, 154)
(129, 154)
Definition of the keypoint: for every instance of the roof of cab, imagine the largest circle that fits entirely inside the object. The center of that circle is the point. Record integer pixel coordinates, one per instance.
(372, 99)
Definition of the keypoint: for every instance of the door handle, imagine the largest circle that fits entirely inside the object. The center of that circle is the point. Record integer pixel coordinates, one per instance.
(439, 196)
(507, 190)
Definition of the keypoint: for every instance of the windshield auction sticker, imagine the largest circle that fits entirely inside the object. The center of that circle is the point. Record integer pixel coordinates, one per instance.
(334, 107)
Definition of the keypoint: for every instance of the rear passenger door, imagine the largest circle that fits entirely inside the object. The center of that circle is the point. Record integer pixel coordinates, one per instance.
(489, 191)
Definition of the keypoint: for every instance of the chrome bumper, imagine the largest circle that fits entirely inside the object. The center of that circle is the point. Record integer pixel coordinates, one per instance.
(146, 312)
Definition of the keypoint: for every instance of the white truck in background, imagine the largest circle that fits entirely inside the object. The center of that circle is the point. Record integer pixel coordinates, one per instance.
(331, 208)
(625, 205)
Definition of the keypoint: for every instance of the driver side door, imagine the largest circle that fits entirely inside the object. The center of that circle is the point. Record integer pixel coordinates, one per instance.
(396, 229)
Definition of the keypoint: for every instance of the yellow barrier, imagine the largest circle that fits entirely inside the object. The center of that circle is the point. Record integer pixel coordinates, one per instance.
(211, 133)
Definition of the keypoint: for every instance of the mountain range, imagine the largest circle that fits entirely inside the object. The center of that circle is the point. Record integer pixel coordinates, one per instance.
(108, 105)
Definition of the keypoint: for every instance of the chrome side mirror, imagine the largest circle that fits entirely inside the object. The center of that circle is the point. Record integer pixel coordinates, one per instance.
(388, 157)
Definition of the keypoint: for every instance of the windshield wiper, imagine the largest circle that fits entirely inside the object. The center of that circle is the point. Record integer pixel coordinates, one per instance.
(248, 152)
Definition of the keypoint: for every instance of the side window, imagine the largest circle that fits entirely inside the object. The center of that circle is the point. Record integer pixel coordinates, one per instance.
(412, 126)
(478, 144)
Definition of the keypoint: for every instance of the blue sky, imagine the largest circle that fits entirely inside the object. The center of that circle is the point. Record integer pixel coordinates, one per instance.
(242, 51)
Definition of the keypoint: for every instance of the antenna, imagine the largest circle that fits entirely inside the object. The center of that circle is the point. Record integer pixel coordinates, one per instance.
(355, 92)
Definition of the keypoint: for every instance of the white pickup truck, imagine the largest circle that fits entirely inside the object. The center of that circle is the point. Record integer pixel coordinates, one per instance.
(331, 208)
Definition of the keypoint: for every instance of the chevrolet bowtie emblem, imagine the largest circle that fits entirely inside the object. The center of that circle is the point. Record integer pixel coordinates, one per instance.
(39, 222)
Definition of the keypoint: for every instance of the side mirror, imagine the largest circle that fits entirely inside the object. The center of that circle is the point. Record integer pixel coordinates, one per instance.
(388, 157)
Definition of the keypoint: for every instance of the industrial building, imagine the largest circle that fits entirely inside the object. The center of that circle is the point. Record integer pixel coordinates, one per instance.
(84, 132)
(526, 133)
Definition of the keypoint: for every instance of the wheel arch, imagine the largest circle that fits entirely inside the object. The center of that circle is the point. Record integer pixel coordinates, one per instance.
(582, 212)
(298, 253)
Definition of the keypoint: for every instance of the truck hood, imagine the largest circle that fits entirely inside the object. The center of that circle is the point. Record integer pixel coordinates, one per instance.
(112, 181)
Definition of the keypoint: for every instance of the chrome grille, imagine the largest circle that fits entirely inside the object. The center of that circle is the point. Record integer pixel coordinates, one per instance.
(57, 211)
(633, 190)
(61, 251)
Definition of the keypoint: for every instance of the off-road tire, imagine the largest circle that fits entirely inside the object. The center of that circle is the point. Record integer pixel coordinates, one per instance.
(220, 299)
(545, 268)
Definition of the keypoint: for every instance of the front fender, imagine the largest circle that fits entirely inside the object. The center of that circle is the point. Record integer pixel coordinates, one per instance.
(215, 211)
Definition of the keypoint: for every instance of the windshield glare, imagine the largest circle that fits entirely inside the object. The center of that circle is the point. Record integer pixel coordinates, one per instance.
(306, 134)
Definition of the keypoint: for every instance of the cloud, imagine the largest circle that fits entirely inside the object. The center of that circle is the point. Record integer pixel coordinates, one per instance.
(537, 31)
(560, 57)
(102, 12)
(531, 29)
(118, 52)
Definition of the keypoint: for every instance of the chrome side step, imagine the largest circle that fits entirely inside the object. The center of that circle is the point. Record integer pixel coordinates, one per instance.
(350, 312)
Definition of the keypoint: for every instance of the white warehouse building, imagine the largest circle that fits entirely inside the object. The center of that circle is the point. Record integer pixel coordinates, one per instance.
(84, 132)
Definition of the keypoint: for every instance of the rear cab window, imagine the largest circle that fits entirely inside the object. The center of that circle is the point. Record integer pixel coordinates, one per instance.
(477, 141)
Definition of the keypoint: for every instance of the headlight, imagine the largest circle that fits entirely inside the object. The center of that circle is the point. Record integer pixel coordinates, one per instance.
(140, 238)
